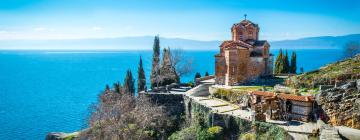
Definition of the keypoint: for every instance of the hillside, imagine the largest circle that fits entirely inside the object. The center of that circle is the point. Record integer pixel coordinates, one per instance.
(336, 73)
(142, 43)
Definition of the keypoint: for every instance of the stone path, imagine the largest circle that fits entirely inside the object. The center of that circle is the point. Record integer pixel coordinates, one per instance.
(223, 107)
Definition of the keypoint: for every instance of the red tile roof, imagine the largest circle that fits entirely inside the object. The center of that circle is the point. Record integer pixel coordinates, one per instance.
(231, 44)
(296, 97)
(284, 96)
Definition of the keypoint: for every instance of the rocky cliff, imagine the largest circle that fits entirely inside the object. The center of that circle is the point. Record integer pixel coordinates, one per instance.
(341, 105)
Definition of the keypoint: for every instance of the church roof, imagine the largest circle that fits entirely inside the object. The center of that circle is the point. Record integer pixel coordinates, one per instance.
(246, 23)
(235, 44)
(260, 43)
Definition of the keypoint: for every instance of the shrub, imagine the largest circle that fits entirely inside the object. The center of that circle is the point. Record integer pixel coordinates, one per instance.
(248, 136)
(216, 131)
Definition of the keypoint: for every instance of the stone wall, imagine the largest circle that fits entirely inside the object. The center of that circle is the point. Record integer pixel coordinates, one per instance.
(341, 105)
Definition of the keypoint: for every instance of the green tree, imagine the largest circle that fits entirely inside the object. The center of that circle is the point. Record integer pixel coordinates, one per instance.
(107, 88)
(286, 66)
(293, 63)
(117, 87)
(129, 87)
(206, 74)
(155, 69)
(141, 77)
(197, 75)
(279, 63)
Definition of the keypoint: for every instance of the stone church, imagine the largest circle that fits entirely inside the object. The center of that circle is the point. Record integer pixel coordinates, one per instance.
(244, 58)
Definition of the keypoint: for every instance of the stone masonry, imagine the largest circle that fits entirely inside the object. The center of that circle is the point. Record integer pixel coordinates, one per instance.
(244, 58)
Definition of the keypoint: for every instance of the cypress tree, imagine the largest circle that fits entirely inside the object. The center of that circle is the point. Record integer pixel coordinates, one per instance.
(286, 67)
(129, 87)
(154, 77)
(279, 62)
(197, 75)
(107, 88)
(141, 77)
(293, 63)
(206, 74)
(117, 87)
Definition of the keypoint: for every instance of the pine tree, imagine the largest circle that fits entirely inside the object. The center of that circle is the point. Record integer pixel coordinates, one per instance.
(155, 69)
(206, 74)
(286, 67)
(117, 87)
(141, 77)
(197, 75)
(293, 63)
(129, 87)
(107, 88)
(279, 62)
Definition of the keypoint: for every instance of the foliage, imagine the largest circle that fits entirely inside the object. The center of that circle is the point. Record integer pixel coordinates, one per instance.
(129, 86)
(197, 75)
(279, 63)
(190, 84)
(286, 66)
(248, 136)
(122, 116)
(233, 96)
(71, 137)
(198, 130)
(340, 71)
(141, 77)
(168, 73)
(238, 93)
(155, 69)
(206, 74)
(293, 63)
(215, 130)
(269, 131)
(282, 64)
(117, 87)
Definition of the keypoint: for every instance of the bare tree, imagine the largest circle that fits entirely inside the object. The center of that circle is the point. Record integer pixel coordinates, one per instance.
(122, 116)
(351, 49)
(182, 64)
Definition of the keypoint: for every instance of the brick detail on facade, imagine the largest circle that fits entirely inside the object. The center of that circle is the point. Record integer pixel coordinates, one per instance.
(244, 58)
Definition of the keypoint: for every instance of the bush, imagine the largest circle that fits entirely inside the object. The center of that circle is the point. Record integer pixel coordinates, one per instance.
(215, 130)
(248, 136)
(203, 134)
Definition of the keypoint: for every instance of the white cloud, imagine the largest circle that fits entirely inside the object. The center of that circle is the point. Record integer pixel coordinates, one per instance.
(40, 29)
(3, 32)
(96, 28)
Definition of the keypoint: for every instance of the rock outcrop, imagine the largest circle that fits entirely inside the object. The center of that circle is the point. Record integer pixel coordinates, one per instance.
(341, 104)
(61, 136)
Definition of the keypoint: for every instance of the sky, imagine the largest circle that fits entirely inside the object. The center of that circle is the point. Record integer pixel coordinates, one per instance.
(189, 19)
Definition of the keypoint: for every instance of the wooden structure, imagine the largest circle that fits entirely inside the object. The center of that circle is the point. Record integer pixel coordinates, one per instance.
(282, 106)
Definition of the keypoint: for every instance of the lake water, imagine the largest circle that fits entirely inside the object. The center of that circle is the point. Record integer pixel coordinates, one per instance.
(44, 91)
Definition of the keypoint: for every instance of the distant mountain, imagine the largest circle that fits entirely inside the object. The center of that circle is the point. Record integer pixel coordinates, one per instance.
(122, 43)
(146, 42)
(322, 42)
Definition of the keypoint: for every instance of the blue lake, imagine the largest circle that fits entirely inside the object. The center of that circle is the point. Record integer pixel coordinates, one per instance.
(44, 91)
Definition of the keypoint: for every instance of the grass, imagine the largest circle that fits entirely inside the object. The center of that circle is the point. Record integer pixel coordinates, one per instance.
(251, 88)
(70, 137)
(341, 70)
